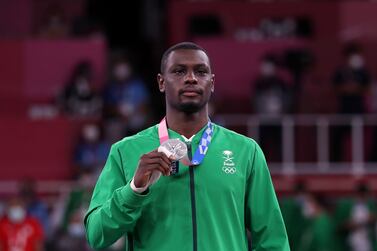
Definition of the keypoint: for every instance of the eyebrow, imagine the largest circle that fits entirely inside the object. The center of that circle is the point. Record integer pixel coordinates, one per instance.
(195, 66)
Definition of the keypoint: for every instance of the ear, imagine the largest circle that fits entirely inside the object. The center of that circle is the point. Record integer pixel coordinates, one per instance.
(161, 82)
(213, 83)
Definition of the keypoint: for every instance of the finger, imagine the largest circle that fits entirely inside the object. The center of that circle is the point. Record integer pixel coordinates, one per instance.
(166, 158)
(158, 157)
(165, 151)
(158, 167)
(162, 163)
(146, 163)
(155, 154)
(166, 166)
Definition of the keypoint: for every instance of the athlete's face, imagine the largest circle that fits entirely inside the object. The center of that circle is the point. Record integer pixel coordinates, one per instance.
(187, 80)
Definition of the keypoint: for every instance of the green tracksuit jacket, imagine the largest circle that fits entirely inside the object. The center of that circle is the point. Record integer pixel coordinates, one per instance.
(202, 208)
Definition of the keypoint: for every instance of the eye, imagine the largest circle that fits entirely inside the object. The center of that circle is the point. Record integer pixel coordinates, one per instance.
(202, 72)
(179, 72)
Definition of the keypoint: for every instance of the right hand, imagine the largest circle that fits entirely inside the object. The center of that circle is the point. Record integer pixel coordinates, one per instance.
(148, 163)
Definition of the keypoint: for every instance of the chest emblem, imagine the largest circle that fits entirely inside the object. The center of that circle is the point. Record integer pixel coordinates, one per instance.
(228, 166)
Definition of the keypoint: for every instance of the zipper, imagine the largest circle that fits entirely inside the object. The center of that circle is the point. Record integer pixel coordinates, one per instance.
(193, 203)
(130, 242)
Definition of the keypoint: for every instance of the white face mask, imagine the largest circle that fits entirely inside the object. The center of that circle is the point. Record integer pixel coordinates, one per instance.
(267, 69)
(122, 71)
(82, 86)
(76, 230)
(356, 61)
(16, 214)
(91, 133)
(308, 209)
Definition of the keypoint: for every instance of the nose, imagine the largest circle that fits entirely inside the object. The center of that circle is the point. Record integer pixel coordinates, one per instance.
(190, 78)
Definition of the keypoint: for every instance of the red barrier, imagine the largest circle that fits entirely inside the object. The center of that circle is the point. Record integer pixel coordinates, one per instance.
(237, 64)
(48, 64)
(38, 149)
(35, 70)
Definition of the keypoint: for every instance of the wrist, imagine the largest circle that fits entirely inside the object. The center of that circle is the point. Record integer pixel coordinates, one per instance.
(138, 189)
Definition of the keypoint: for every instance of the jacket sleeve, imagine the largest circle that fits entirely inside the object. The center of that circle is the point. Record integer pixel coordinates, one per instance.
(263, 216)
(114, 207)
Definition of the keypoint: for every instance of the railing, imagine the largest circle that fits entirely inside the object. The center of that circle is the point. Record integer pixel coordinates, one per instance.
(53, 188)
(322, 123)
(250, 125)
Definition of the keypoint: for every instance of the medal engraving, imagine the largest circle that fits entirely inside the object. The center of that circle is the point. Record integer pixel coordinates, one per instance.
(173, 148)
(176, 150)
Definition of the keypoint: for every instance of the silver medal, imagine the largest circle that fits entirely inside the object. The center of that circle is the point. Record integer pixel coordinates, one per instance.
(173, 148)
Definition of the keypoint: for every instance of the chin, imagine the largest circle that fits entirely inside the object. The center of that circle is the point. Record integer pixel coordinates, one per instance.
(190, 107)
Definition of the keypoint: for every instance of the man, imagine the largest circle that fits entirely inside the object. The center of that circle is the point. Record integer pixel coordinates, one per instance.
(356, 220)
(351, 83)
(19, 231)
(206, 204)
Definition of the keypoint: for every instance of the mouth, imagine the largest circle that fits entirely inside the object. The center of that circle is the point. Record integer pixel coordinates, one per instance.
(190, 93)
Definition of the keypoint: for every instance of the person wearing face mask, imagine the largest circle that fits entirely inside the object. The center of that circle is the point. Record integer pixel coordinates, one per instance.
(293, 214)
(320, 232)
(68, 214)
(351, 82)
(271, 98)
(78, 98)
(91, 150)
(18, 231)
(35, 207)
(73, 238)
(356, 220)
(126, 98)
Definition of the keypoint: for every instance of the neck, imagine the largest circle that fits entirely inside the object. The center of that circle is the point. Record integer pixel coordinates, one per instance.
(186, 124)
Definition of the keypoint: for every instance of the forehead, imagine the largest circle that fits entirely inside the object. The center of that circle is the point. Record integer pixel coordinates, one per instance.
(14, 201)
(187, 57)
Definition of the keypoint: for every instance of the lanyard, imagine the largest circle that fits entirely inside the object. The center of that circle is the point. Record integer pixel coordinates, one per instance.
(204, 141)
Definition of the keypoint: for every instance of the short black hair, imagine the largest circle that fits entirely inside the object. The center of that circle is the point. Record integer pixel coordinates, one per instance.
(179, 46)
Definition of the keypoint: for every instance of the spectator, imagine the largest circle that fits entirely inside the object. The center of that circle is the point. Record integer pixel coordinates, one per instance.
(356, 219)
(320, 233)
(78, 97)
(71, 233)
(18, 231)
(74, 238)
(34, 206)
(271, 92)
(351, 83)
(292, 209)
(92, 150)
(54, 24)
(126, 98)
(271, 98)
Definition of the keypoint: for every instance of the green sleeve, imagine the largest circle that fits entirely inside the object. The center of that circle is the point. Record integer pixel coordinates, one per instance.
(115, 207)
(263, 216)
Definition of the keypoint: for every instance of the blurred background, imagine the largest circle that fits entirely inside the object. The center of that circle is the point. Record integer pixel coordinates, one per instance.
(298, 76)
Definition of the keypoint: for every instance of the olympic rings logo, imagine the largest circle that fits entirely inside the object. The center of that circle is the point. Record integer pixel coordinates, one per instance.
(229, 170)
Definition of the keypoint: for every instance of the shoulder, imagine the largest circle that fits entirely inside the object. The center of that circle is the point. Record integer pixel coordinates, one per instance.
(32, 221)
(3, 221)
(236, 138)
(136, 83)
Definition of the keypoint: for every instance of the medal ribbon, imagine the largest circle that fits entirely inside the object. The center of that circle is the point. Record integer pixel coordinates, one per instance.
(203, 145)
